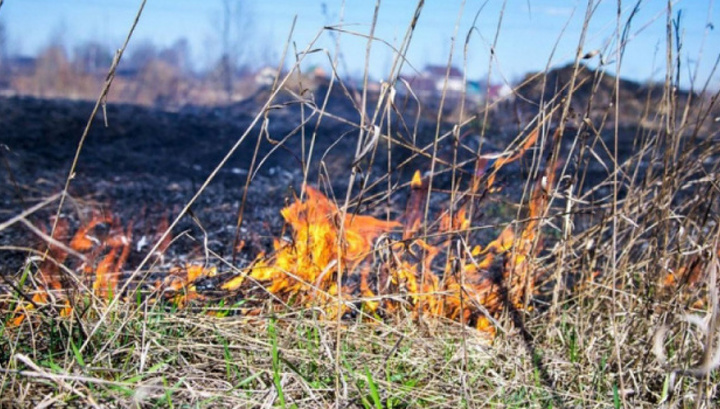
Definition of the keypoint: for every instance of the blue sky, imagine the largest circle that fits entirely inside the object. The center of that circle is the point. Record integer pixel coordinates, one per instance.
(530, 29)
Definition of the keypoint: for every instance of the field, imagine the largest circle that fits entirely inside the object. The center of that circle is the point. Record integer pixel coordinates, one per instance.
(336, 244)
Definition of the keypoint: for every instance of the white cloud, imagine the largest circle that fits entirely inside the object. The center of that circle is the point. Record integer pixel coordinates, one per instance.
(553, 11)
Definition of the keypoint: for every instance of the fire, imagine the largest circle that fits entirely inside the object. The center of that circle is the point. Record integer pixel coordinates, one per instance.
(413, 212)
(690, 274)
(180, 283)
(389, 264)
(402, 273)
(307, 263)
(102, 260)
(416, 182)
(519, 152)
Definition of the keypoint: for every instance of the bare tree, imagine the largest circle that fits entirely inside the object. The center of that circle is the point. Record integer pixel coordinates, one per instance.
(141, 55)
(92, 57)
(226, 64)
(235, 30)
(53, 75)
(5, 80)
(3, 44)
(178, 55)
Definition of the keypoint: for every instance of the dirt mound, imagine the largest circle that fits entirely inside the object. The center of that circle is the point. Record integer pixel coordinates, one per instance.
(595, 94)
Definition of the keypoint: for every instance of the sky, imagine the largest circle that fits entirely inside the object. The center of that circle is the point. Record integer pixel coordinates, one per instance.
(533, 34)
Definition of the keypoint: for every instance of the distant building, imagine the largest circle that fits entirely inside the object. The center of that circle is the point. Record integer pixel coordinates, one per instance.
(497, 92)
(430, 83)
(440, 75)
(433, 80)
(481, 91)
(266, 76)
(475, 90)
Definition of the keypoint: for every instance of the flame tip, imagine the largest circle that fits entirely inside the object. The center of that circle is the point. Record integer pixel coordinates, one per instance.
(416, 180)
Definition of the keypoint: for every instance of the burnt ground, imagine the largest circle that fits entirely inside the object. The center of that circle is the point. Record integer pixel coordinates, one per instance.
(146, 164)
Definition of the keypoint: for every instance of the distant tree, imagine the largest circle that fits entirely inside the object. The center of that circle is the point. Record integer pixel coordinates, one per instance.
(141, 55)
(226, 66)
(178, 55)
(3, 45)
(91, 57)
(159, 84)
(58, 35)
(53, 73)
(235, 33)
(5, 80)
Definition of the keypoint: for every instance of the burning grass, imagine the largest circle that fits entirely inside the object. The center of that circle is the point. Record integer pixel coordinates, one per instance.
(423, 305)
(385, 274)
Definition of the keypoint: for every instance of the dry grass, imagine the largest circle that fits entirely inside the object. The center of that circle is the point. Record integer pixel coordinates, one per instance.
(626, 315)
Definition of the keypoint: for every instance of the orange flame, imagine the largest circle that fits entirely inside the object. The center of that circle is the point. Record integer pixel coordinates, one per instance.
(502, 161)
(104, 260)
(464, 285)
(416, 182)
(400, 274)
(308, 262)
(413, 211)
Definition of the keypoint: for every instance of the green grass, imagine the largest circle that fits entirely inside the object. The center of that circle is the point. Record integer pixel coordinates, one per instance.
(176, 359)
